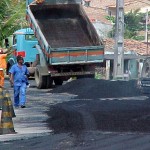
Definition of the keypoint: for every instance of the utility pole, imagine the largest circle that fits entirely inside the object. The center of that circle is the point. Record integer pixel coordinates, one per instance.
(118, 72)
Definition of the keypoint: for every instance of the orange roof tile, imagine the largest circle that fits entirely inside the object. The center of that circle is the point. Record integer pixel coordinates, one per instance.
(96, 14)
(128, 4)
(129, 45)
(97, 9)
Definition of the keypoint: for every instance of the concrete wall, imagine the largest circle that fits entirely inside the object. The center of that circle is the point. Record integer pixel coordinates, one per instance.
(102, 28)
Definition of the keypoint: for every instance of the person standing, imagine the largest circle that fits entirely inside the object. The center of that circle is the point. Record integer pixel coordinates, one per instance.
(2, 67)
(3, 64)
(19, 79)
(39, 1)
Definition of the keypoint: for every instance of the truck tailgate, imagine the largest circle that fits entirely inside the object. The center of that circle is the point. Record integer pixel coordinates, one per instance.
(76, 55)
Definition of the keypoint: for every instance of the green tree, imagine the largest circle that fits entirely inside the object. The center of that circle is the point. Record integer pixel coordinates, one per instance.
(133, 23)
(12, 17)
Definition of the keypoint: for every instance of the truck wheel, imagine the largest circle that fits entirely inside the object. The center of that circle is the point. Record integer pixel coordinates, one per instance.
(49, 82)
(40, 80)
(58, 81)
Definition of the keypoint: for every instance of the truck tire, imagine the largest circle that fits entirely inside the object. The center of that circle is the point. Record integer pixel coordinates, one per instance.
(41, 81)
(49, 82)
(58, 81)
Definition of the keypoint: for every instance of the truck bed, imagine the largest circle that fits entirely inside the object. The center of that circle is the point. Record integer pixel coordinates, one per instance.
(64, 32)
(64, 26)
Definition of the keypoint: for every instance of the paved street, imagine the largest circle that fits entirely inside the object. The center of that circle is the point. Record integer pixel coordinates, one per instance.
(75, 128)
(31, 121)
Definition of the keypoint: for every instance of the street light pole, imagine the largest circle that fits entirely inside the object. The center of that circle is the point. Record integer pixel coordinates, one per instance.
(119, 41)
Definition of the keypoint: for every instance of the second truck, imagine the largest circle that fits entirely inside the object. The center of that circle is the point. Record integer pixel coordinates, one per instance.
(68, 43)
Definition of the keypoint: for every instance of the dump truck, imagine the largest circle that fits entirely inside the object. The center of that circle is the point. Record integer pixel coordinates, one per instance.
(68, 43)
(24, 44)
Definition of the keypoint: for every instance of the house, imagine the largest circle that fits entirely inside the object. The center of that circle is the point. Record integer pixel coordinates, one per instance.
(134, 51)
(98, 10)
(129, 5)
(98, 18)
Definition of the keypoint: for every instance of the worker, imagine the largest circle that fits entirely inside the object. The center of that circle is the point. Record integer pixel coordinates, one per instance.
(19, 79)
(3, 66)
(39, 1)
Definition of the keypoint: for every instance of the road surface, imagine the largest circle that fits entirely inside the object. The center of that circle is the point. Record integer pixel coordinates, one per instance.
(81, 115)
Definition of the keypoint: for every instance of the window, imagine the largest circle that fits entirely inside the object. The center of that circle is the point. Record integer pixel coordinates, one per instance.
(14, 39)
(6, 43)
(30, 37)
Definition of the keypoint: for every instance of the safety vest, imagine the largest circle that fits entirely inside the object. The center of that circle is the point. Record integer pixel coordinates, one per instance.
(3, 63)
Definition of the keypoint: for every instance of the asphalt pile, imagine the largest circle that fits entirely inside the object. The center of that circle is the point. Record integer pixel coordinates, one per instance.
(89, 88)
(93, 108)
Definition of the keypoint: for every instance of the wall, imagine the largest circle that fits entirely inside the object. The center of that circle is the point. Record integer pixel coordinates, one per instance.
(102, 28)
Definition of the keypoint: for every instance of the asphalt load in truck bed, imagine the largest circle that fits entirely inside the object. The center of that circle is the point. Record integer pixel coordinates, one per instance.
(115, 106)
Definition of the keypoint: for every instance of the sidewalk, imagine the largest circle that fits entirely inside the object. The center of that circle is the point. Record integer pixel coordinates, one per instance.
(29, 121)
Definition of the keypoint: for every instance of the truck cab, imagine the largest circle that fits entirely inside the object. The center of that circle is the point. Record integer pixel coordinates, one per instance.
(24, 44)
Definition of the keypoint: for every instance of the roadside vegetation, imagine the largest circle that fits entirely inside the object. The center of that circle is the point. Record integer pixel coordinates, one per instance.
(12, 17)
(135, 23)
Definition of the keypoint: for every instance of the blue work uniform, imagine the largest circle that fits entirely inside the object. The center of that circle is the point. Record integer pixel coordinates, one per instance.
(20, 83)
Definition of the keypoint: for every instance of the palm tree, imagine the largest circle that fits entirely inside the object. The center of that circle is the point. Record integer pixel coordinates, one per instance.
(133, 23)
(12, 17)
